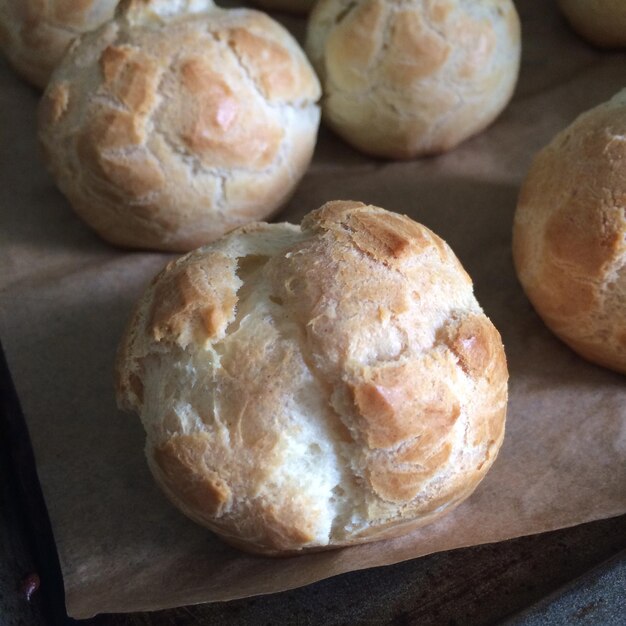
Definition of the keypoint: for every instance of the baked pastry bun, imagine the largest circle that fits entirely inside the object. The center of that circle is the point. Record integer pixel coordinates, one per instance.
(291, 6)
(307, 387)
(602, 22)
(35, 34)
(417, 77)
(569, 235)
(178, 121)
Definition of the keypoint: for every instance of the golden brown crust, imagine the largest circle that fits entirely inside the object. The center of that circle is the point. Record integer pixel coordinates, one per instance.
(332, 384)
(602, 22)
(193, 303)
(181, 461)
(269, 63)
(165, 131)
(476, 346)
(569, 240)
(405, 79)
(387, 237)
(56, 104)
(35, 34)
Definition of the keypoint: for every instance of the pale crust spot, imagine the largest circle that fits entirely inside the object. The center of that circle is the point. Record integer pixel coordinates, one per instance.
(479, 41)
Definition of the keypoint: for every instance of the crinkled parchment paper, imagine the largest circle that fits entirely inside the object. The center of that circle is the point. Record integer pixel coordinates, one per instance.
(65, 297)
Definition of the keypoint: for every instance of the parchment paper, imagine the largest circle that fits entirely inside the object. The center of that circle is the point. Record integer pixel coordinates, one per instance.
(65, 297)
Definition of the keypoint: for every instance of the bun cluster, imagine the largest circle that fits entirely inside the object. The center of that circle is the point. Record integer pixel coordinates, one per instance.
(314, 386)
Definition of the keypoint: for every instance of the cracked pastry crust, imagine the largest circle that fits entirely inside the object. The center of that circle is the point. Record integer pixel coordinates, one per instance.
(35, 34)
(177, 122)
(602, 22)
(314, 386)
(407, 78)
(291, 6)
(569, 234)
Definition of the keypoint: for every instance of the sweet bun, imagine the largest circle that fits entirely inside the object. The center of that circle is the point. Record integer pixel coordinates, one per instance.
(417, 77)
(178, 121)
(602, 22)
(291, 6)
(569, 236)
(35, 34)
(306, 387)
